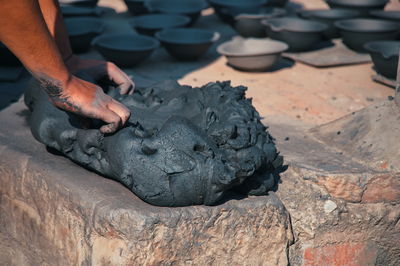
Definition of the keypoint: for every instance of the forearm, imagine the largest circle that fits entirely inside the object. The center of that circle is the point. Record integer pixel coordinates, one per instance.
(55, 23)
(24, 31)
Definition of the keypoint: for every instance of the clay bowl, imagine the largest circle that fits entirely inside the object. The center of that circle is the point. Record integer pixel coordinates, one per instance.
(81, 32)
(252, 54)
(137, 7)
(225, 8)
(83, 3)
(190, 8)
(357, 32)
(150, 24)
(187, 44)
(249, 25)
(7, 58)
(329, 17)
(77, 11)
(125, 50)
(385, 56)
(279, 3)
(387, 15)
(362, 6)
(299, 34)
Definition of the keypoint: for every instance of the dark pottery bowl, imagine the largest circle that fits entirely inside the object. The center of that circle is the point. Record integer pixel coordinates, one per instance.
(385, 56)
(7, 58)
(387, 15)
(226, 8)
(362, 6)
(81, 32)
(77, 11)
(357, 32)
(137, 7)
(249, 25)
(125, 50)
(252, 54)
(190, 8)
(329, 17)
(187, 44)
(299, 34)
(279, 3)
(150, 24)
(83, 3)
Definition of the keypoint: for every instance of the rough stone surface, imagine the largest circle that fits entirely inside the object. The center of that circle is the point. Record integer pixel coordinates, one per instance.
(344, 211)
(70, 216)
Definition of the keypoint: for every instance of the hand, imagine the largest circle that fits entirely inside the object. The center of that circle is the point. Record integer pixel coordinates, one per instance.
(100, 70)
(86, 99)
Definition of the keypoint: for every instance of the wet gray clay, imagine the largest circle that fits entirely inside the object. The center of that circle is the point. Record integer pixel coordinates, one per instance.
(182, 146)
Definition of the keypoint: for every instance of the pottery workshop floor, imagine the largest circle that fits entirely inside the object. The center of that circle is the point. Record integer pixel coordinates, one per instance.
(294, 93)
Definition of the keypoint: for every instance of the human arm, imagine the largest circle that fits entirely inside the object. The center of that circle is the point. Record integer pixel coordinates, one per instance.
(24, 31)
(96, 69)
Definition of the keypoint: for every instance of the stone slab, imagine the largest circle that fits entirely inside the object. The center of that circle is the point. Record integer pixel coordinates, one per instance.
(334, 54)
(70, 216)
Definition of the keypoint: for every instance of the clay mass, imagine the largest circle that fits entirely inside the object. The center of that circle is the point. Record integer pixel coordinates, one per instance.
(182, 145)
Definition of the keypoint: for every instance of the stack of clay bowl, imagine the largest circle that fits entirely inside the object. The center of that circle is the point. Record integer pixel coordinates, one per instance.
(300, 34)
(361, 6)
(189, 8)
(137, 7)
(125, 50)
(329, 17)
(249, 24)
(385, 56)
(152, 23)
(225, 9)
(357, 32)
(82, 30)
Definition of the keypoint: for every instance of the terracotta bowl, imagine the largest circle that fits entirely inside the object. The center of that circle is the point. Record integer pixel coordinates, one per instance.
(187, 44)
(7, 58)
(357, 32)
(385, 56)
(329, 17)
(190, 8)
(299, 34)
(125, 50)
(252, 54)
(87, 3)
(249, 25)
(362, 6)
(150, 24)
(387, 15)
(225, 8)
(137, 7)
(77, 11)
(82, 30)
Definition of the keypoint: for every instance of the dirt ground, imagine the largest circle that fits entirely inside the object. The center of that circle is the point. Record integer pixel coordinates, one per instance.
(299, 94)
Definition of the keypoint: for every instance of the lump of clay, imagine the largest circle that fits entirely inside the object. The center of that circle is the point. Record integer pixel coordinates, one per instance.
(182, 146)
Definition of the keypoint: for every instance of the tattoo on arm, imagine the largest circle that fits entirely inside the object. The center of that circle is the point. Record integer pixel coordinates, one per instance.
(54, 89)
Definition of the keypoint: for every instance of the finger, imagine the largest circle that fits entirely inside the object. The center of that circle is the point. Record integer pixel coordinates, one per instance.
(124, 82)
(112, 119)
(120, 110)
